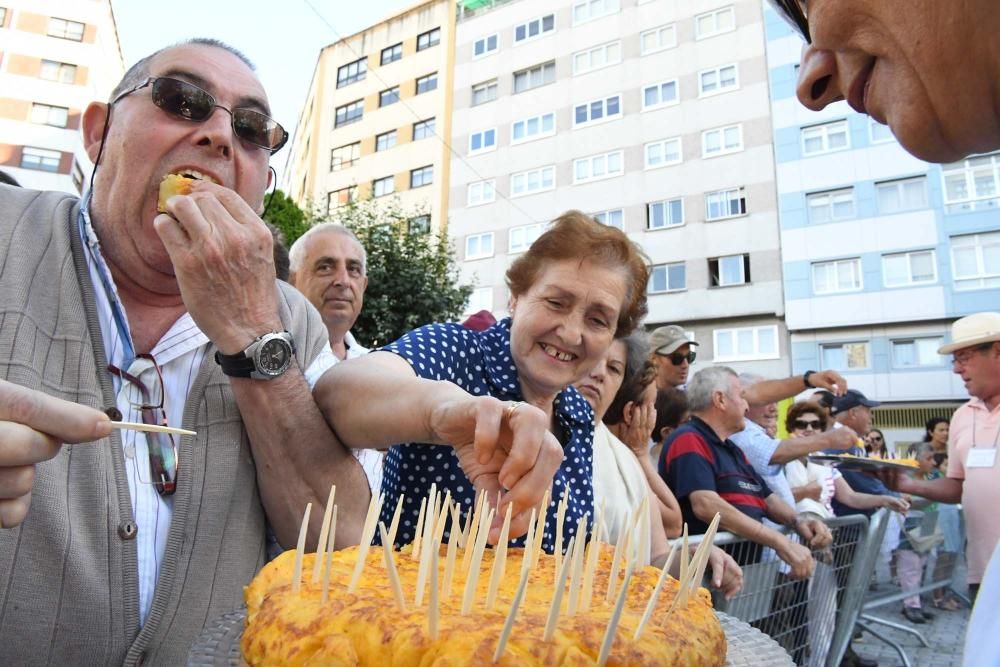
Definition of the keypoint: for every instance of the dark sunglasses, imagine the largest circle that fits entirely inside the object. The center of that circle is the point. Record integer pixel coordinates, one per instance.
(803, 424)
(189, 102)
(794, 13)
(677, 358)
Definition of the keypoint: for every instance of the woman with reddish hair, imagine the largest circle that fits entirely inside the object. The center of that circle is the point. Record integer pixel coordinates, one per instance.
(495, 410)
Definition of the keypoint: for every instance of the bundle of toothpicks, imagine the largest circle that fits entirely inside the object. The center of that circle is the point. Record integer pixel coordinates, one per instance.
(574, 565)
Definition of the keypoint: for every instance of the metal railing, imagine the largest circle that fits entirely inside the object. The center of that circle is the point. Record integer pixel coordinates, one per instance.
(927, 542)
(811, 619)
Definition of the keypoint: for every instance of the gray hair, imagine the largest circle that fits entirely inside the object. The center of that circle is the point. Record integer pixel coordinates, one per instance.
(922, 448)
(297, 253)
(139, 72)
(748, 380)
(705, 383)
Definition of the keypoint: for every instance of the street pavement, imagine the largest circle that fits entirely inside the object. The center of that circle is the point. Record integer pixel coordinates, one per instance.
(945, 634)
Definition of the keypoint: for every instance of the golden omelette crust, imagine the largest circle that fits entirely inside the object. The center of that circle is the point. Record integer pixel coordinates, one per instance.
(366, 628)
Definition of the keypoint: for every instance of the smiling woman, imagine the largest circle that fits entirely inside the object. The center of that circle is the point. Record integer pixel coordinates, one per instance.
(495, 410)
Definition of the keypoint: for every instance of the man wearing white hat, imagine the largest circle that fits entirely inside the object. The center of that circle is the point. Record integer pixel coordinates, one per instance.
(973, 466)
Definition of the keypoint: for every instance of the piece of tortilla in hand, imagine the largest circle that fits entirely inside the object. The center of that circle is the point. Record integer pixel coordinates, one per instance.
(172, 184)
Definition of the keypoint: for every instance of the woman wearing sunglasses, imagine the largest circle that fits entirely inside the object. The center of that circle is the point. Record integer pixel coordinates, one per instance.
(814, 487)
(875, 444)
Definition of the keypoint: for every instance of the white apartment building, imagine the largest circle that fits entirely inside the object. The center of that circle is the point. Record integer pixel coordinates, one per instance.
(374, 116)
(652, 115)
(56, 56)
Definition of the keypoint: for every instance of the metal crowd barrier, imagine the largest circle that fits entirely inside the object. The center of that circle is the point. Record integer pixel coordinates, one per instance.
(811, 619)
(941, 558)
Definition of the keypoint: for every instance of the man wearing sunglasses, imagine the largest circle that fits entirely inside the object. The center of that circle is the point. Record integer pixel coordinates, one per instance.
(118, 551)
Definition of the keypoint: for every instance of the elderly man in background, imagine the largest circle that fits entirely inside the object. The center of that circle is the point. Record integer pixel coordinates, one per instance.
(117, 552)
(973, 476)
(328, 265)
(709, 474)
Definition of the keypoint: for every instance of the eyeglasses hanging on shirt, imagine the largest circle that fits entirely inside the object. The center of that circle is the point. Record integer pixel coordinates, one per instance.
(147, 398)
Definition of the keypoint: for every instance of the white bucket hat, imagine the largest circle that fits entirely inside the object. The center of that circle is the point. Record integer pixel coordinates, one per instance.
(973, 330)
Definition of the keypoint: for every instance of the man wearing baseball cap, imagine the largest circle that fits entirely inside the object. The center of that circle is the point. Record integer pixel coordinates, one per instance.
(973, 469)
(853, 410)
(671, 352)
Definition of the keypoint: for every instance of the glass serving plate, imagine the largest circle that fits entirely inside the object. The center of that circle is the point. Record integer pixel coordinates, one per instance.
(219, 644)
(859, 463)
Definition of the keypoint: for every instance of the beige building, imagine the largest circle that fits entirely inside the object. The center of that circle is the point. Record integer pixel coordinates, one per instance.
(653, 115)
(376, 111)
(56, 56)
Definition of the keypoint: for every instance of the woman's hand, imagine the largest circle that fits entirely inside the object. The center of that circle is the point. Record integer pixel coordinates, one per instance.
(639, 423)
(727, 577)
(505, 449)
(901, 505)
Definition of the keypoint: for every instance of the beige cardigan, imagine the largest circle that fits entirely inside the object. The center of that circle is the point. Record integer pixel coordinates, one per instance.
(68, 574)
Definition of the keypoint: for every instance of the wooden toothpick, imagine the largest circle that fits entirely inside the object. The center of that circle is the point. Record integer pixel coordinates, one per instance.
(576, 576)
(499, 560)
(300, 550)
(543, 512)
(522, 588)
(328, 561)
(449, 564)
(415, 545)
(593, 551)
(434, 613)
(651, 605)
(390, 567)
(557, 595)
(612, 630)
(367, 533)
(323, 532)
(394, 526)
(472, 579)
(701, 555)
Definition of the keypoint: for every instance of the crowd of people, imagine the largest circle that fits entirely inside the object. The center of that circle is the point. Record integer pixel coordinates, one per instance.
(117, 546)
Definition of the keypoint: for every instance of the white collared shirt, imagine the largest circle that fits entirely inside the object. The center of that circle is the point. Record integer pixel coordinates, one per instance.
(179, 354)
(354, 350)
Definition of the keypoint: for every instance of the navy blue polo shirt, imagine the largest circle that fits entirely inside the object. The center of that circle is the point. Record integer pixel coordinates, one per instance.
(860, 482)
(481, 364)
(695, 459)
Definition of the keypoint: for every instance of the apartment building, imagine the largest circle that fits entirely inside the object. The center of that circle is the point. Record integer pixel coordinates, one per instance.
(880, 251)
(56, 56)
(377, 109)
(652, 115)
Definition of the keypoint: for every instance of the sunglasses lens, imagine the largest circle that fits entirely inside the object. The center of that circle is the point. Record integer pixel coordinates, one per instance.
(803, 425)
(258, 129)
(182, 99)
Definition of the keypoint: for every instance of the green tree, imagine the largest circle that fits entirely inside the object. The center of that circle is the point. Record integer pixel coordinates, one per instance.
(412, 275)
(286, 215)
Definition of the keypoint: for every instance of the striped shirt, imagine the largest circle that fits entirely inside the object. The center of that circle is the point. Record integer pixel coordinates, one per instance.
(179, 354)
(695, 459)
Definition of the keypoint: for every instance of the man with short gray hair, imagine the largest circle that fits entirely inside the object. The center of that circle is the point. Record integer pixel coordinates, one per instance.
(709, 474)
(328, 265)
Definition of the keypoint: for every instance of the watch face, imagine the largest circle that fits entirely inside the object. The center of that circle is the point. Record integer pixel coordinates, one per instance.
(274, 356)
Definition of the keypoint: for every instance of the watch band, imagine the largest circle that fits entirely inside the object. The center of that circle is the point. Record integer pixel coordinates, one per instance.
(805, 380)
(235, 365)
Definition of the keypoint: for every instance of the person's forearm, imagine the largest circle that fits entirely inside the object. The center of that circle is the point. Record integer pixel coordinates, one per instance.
(377, 401)
(666, 504)
(779, 511)
(298, 458)
(944, 489)
(795, 448)
(859, 501)
(801, 492)
(772, 391)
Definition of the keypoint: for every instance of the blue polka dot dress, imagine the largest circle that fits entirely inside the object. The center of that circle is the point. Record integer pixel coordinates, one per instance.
(481, 364)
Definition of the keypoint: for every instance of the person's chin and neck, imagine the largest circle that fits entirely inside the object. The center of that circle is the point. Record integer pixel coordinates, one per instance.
(724, 420)
(339, 321)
